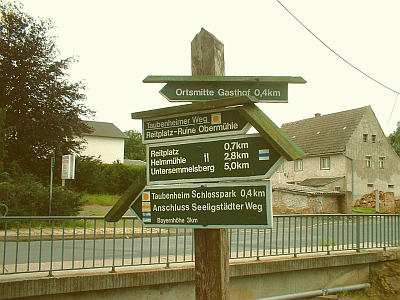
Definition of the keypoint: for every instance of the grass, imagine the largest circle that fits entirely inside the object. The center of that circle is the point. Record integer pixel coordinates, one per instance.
(327, 244)
(365, 210)
(100, 199)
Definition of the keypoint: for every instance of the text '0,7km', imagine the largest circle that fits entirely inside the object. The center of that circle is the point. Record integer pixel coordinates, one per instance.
(205, 205)
(242, 157)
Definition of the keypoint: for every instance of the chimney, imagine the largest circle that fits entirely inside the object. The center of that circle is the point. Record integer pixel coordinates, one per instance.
(317, 115)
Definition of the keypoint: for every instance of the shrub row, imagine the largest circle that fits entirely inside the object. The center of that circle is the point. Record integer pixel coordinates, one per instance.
(94, 177)
(25, 195)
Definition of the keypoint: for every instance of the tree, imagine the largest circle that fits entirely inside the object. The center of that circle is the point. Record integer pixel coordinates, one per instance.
(134, 149)
(45, 109)
(394, 139)
(4, 133)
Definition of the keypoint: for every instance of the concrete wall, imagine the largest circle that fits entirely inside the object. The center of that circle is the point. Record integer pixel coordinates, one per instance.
(249, 279)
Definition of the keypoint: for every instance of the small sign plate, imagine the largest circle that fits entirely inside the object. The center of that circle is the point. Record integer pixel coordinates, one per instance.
(199, 124)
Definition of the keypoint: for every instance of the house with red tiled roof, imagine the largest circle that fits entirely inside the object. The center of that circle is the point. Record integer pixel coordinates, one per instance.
(345, 151)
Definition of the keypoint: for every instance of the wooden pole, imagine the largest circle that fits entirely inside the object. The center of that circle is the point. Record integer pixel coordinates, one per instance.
(211, 245)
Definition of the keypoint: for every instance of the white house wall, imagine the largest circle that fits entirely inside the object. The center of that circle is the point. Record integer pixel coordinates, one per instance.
(311, 169)
(109, 149)
(366, 180)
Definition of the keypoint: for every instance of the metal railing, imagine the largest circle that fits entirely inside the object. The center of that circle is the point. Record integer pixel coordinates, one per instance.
(48, 244)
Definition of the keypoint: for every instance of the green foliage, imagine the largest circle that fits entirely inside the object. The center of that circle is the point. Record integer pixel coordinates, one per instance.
(45, 109)
(134, 149)
(118, 177)
(94, 177)
(115, 178)
(88, 174)
(26, 196)
(394, 139)
(4, 134)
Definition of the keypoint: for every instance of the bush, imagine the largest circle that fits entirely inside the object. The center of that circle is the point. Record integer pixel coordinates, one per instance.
(118, 177)
(95, 177)
(88, 175)
(26, 196)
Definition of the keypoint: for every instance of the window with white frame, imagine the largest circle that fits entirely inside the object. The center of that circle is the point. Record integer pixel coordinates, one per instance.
(325, 163)
(373, 138)
(365, 137)
(381, 162)
(368, 161)
(298, 165)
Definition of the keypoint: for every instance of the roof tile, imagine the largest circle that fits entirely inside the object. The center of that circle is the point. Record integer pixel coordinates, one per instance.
(325, 134)
(105, 129)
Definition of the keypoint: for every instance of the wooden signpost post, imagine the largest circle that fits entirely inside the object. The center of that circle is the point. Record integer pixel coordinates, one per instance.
(203, 170)
(211, 245)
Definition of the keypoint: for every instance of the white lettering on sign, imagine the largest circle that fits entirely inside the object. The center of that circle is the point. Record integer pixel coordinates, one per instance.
(213, 194)
(189, 92)
(169, 196)
(233, 93)
(159, 134)
(171, 207)
(166, 162)
(167, 123)
(184, 131)
(177, 220)
(182, 170)
(217, 207)
(200, 120)
(220, 127)
(163, 153)
(266, 93)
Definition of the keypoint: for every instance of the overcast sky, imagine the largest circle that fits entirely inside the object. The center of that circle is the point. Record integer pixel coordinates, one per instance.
(120, 42)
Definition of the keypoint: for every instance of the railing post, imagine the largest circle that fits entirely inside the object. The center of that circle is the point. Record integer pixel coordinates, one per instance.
(358, 234)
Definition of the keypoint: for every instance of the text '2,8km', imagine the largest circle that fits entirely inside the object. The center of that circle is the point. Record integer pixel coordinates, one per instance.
(241, 157)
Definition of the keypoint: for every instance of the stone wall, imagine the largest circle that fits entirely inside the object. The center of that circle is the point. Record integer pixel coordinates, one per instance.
(284, 202)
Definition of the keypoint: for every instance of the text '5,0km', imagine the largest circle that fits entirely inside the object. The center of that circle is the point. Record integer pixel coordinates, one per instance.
(243, 157)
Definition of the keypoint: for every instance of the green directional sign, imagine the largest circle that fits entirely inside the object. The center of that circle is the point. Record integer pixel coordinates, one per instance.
(242, 157)
(201, 91)
(240, 204)
(206, 87)
(198, 124)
